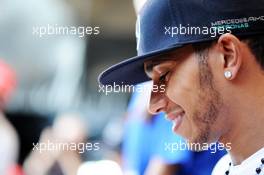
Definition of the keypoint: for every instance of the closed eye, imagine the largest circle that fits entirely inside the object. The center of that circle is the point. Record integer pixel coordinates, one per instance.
(163, 77)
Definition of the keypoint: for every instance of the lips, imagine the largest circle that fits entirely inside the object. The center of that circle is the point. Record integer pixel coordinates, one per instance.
(176, 119)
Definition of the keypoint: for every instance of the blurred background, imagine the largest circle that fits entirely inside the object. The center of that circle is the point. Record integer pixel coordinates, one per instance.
(49, 92)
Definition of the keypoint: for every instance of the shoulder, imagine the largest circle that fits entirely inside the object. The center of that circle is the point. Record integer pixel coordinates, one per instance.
(222, 165)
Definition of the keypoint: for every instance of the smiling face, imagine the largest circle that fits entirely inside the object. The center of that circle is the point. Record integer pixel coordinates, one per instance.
(190, 101)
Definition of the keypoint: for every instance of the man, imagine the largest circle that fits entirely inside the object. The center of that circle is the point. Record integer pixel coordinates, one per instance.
(209, 84)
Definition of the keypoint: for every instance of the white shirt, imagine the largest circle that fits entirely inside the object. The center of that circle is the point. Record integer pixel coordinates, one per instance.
(247, 167)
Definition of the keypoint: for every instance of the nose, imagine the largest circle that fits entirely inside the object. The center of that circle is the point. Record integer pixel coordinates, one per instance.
(158, 102)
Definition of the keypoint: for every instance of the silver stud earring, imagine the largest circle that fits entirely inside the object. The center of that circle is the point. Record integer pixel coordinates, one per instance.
(228, 74)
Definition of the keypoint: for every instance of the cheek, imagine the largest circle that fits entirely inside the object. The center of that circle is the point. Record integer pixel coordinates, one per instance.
(183, 84)
(190, 128)
(183, 89)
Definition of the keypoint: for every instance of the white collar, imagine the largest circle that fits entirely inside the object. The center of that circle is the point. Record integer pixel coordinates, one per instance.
(250, 164)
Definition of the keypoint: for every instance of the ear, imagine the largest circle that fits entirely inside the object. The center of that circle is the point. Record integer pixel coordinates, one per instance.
(230, 47)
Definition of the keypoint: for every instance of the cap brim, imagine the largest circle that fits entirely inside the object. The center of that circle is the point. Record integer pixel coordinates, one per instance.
(131, 71)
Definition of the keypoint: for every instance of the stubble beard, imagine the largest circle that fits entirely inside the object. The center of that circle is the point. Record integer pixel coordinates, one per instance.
(209, 105)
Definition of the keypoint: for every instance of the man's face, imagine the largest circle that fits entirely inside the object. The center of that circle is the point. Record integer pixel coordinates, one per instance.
(190, 101)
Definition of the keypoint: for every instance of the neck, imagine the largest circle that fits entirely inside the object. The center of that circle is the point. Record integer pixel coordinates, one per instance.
(246, 135)
(243, 145)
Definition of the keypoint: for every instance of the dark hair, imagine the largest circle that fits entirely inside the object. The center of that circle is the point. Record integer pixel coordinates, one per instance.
(255, 44)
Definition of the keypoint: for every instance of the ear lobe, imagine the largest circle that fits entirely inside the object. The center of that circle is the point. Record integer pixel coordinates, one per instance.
(231, 50)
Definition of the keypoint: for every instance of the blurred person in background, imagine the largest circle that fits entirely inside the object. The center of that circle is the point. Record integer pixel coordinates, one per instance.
(9, 142)
(68, 129)
(48, 68)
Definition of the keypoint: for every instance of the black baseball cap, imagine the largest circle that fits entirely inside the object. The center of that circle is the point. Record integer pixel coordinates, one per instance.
(165, 25)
